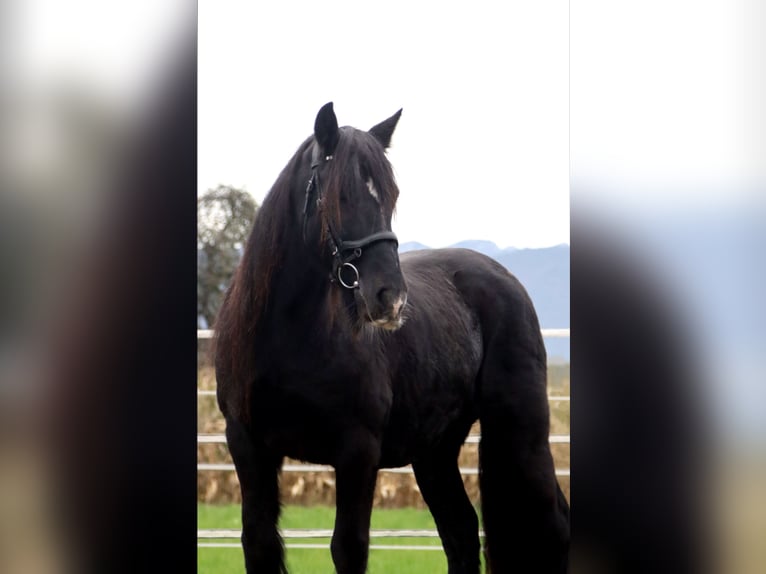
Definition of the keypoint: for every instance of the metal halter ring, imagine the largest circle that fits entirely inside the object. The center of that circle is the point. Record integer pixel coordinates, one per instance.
(355, 284)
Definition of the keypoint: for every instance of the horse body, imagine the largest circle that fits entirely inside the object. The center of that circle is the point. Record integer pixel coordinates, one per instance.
(434, 359)
(391, 371)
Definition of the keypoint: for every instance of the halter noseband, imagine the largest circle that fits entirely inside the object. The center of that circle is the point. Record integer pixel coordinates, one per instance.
(343, 252)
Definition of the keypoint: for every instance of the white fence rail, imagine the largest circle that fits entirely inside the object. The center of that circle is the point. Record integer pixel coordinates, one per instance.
(306, 534)
(211, 393)
(325, 546)
(470, 439)
(222, 466)
(547, 333)
(302, 534)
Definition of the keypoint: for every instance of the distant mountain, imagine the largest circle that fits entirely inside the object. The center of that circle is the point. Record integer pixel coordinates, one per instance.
(545, 275)
(411, 246)
(485, 247)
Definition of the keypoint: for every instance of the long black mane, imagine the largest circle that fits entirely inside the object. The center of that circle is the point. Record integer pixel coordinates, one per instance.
(274, 231)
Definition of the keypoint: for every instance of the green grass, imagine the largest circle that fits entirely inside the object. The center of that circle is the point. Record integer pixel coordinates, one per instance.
(311, 561)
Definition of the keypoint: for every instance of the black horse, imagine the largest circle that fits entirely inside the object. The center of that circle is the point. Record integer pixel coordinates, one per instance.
(329, 351)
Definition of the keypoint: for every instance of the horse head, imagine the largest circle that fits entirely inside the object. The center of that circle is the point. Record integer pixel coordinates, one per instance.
(347, 210)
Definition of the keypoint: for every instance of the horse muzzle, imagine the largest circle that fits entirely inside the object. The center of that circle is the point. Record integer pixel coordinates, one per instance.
(391, 310)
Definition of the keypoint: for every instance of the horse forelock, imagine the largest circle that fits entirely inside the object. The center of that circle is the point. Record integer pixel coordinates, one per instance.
(357, 151)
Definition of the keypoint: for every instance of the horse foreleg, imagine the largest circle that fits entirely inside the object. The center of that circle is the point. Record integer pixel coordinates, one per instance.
(257, 469)
(355, 476)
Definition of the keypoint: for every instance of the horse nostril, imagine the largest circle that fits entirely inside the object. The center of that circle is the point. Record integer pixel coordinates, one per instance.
(385, 297)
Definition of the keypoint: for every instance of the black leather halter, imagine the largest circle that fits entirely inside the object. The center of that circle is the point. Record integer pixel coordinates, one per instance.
(343, 252)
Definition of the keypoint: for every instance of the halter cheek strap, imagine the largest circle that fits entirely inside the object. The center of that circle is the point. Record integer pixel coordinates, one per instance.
(343, 252)
(313, 186)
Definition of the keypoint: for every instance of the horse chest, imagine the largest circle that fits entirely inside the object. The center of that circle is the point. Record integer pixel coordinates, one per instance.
(307, 418)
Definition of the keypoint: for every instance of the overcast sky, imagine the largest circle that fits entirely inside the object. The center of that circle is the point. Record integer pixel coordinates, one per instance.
(666, 98)
(481, 150)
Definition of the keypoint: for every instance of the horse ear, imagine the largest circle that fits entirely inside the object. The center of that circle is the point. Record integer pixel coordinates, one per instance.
(385, 129)
(326, 129)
